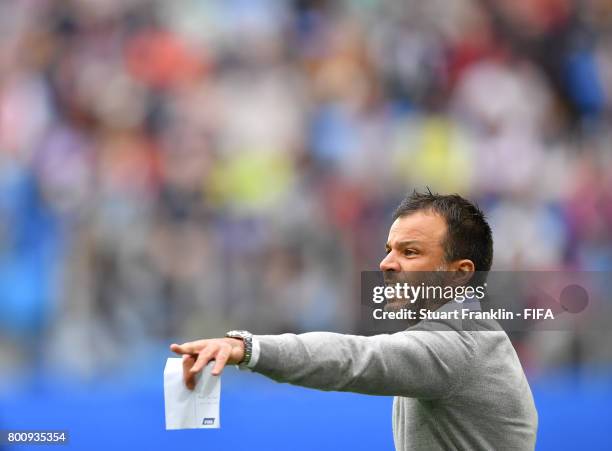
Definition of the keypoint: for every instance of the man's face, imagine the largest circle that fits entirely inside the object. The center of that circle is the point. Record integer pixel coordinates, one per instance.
(415, 250)
(415, 243)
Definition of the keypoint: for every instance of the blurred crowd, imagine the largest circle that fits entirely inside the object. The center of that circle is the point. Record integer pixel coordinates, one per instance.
(179, 168)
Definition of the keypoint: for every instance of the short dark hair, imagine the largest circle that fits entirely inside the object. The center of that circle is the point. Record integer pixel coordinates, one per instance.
(468, 233)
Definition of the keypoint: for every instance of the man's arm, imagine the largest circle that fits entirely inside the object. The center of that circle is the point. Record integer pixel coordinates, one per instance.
(414, 363)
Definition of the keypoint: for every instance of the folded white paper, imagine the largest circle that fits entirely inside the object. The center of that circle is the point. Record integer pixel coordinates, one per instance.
(187, 409)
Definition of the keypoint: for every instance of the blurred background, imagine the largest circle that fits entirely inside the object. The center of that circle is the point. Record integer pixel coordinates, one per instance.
(170, 170)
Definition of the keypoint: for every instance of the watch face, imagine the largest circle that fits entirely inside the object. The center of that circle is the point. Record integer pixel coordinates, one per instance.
(237, 333)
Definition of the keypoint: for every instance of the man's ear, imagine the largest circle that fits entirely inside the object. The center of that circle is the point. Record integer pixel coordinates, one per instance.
(463, 271)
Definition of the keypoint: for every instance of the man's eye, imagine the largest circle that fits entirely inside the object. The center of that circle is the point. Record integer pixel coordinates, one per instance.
(387, 250)
(409, 252)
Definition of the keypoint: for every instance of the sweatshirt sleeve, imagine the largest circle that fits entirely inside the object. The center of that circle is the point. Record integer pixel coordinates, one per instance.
(414, 363)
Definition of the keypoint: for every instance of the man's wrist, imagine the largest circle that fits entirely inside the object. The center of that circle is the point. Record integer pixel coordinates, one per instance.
(247, 343)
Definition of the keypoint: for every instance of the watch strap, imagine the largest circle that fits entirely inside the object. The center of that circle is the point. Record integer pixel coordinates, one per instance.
(247, 339)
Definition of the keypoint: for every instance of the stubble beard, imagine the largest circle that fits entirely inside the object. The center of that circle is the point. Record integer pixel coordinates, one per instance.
(396, 305)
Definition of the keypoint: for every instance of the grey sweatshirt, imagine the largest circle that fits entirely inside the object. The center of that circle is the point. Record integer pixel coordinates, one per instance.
(453, 389)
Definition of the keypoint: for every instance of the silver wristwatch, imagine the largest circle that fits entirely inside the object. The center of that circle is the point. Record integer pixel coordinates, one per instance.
(247, 338)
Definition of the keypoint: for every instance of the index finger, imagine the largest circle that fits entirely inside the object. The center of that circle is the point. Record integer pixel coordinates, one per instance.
(185, 348)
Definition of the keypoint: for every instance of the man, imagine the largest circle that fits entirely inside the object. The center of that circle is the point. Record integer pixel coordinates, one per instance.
(453, 388)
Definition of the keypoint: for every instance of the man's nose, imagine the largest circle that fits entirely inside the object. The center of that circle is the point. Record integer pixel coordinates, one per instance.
(389, 263)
